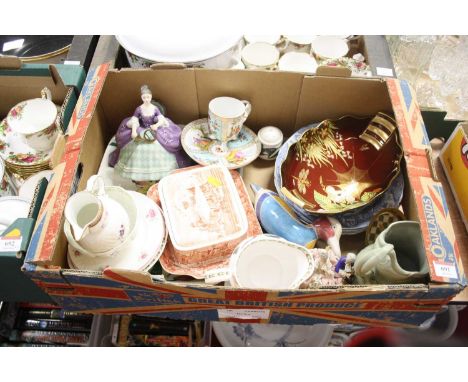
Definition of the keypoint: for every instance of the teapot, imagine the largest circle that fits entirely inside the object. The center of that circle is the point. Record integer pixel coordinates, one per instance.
(100, 219)
(277, 218)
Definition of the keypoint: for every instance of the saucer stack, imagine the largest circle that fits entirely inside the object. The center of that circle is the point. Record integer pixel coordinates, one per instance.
(28, 134)
(20, 159)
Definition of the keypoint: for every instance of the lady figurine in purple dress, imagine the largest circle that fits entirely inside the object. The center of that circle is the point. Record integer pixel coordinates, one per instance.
(148, 144)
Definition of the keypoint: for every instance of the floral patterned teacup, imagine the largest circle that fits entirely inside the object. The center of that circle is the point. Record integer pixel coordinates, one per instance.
(226, 116)
(36, 120)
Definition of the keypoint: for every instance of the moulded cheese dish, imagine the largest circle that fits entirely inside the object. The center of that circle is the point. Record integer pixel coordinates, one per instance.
(202, 208)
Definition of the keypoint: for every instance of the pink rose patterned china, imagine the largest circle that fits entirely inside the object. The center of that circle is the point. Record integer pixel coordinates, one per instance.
(35, 119)
(20, 158)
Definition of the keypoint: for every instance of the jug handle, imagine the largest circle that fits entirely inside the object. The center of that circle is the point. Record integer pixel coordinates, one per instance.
(371, 263)
(96, 185)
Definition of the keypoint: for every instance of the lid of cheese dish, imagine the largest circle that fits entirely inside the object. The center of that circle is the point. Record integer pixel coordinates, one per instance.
(202, 208)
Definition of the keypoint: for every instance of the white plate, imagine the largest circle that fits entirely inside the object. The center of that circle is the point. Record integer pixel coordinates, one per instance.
(271, 335)
(330, 47)
(269, 262)
(298, 62)
(12, 208)
(178, 47)
(260, 54)
(241, 151)
(301, 39)
(109, 175)
(28, 188)
(141, 253)
(270, 38)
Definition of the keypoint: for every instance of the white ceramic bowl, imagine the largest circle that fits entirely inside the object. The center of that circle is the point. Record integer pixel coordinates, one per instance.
(269, 262)
(28, 188)
(12, 208)
(272, 39)
(298, 62)
(260, 55)
(326, 47)
(193, 49)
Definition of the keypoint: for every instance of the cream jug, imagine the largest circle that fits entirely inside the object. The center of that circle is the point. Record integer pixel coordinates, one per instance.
(397, 256)
(100, 219)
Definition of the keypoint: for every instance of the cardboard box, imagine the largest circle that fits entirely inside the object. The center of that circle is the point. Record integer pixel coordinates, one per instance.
(286, 100)
(17, 83)
(454, 159)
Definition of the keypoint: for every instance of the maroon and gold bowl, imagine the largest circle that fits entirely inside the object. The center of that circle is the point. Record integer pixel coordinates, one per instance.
(331, 169)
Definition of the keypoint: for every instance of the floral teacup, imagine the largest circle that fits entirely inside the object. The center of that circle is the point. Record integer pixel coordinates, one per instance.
(226, 116)
(36, 120)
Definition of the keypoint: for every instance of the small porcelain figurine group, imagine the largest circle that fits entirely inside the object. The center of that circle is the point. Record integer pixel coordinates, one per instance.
(148, 144)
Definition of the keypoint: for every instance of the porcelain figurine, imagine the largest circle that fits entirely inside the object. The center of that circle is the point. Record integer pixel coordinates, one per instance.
(397, 256)
(345, 267)
(324, 273)
(277, 218)
(148, 144)
(99, 219)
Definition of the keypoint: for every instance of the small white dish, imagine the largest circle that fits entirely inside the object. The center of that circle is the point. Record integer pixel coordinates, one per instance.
(272, 335)
(298, 62)
(12, 208)
(28, 188)
(260, 55)
(269, 262)
(272, 39)
(301, 39)
(326, 47)
(141, 253)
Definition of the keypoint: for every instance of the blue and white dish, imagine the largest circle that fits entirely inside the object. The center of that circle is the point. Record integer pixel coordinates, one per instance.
(272, 335)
